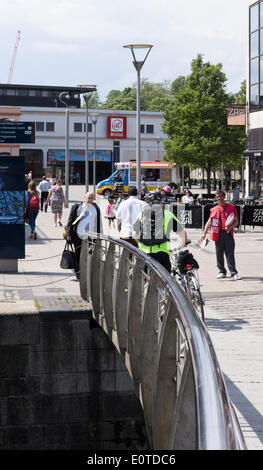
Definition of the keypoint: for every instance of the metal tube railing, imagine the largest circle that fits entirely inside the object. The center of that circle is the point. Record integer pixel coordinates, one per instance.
(165, 345)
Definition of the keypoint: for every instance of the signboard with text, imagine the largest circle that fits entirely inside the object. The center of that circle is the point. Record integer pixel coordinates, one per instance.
(116, 127)
(17, 132)
(236, 115)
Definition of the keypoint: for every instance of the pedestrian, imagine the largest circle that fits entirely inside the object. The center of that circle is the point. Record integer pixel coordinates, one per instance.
(187, 198)
(30, 176)
(32, 207)
(110, 212)
(57, 199)
(44, 187)
(84, 217)
(144, 188)
(152, 230)
(118, 188)
(222, 234)
(127, 214)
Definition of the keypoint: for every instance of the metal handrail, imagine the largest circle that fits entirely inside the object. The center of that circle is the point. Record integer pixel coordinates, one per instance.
(165, 345)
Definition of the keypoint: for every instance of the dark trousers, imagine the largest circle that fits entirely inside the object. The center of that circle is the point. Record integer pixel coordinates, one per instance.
(163, 258)
(44, 195)
(225, 246)
(77, 245)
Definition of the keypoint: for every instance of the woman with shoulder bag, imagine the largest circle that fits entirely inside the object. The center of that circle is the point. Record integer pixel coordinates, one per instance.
(32, 207)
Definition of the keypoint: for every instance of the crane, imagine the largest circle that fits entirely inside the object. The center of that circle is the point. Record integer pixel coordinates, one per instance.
(13, 58)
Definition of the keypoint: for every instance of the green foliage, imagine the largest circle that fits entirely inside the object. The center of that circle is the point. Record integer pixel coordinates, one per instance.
(196, 121)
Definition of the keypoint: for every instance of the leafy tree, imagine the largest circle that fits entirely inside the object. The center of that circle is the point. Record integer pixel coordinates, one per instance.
(196, 121)
(154, 97)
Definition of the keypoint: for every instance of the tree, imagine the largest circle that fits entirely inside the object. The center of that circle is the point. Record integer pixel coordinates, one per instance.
(154, 97)
(196, 121)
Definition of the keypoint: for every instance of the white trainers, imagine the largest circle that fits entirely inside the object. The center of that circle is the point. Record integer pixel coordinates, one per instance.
(221, 276)
(236, 277)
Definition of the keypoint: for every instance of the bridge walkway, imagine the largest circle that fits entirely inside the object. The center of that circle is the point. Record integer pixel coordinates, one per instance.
(233, 309)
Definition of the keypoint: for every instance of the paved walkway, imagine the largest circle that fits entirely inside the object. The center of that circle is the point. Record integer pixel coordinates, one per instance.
(233, 309)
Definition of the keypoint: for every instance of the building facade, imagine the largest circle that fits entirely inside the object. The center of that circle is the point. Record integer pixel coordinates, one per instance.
(254, 152)
(115, 141)
(115, 132)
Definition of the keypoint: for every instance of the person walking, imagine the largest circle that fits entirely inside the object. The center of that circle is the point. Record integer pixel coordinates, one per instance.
(57, 199)
(127, 214)
(152, 230)
(32, 207)
(222, 233)
(44, 187)
(84, 217)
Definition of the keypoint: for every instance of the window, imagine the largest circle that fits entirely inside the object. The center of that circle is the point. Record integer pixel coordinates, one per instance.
(89, 127)
(256, 56)
(142, 128)
(77, 126)
(50, 126)
(149, 129)
(40, 126)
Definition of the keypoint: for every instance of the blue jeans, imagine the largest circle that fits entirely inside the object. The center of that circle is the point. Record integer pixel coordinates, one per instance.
(32, 215)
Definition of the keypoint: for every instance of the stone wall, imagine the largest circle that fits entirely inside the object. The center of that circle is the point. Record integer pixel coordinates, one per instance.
(63, 386)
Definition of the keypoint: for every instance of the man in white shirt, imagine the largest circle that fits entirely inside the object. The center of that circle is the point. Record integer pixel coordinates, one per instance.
(44, 187)
(127, 214)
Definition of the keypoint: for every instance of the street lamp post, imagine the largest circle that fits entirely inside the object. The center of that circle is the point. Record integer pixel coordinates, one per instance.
(62, 97)
(94, 118)
(158, 140)
(87, 97)
(138, 64)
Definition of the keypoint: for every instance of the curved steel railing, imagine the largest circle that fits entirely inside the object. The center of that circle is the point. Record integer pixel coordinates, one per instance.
(165, 345)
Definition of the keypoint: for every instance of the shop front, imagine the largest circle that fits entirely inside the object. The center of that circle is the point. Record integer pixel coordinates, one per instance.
(56, 165)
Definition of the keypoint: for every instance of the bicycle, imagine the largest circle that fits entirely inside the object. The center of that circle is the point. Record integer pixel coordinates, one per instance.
(187, 275)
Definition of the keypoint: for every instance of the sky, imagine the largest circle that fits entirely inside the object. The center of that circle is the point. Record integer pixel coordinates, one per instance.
(73, 42)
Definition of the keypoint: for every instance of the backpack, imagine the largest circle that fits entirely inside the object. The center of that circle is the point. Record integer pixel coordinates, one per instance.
(33, 203)
(186, 258)
(151, 230)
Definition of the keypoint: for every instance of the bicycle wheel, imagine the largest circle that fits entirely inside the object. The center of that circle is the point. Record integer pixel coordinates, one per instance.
(195, 295)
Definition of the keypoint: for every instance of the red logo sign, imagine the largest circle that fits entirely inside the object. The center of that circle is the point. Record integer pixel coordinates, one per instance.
(116, 127)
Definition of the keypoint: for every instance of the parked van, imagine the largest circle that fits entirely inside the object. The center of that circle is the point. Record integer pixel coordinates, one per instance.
(155, 174)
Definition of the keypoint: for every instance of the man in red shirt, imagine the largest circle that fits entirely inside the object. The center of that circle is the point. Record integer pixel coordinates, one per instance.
(223, 235)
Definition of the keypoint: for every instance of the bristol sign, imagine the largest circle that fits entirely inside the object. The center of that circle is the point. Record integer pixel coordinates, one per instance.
(117, 127)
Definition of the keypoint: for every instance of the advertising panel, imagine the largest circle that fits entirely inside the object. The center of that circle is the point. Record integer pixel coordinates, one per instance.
(236, 115)
(12, 196)
(116, 127)
(58, 155)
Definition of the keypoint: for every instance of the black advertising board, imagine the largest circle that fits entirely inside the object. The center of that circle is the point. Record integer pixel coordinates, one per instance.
(189, 216)
(12, 196)
(253, 215)
(17, 132)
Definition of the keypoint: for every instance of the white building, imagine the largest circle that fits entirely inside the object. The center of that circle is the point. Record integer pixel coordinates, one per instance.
(115, 140)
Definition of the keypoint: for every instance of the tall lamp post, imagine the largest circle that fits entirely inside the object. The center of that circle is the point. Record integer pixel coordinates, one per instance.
(138, 64)
(94, 118)
(62, 97)
(87, 97)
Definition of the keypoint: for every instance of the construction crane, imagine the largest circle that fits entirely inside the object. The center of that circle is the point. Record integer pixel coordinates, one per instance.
(13, 58)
